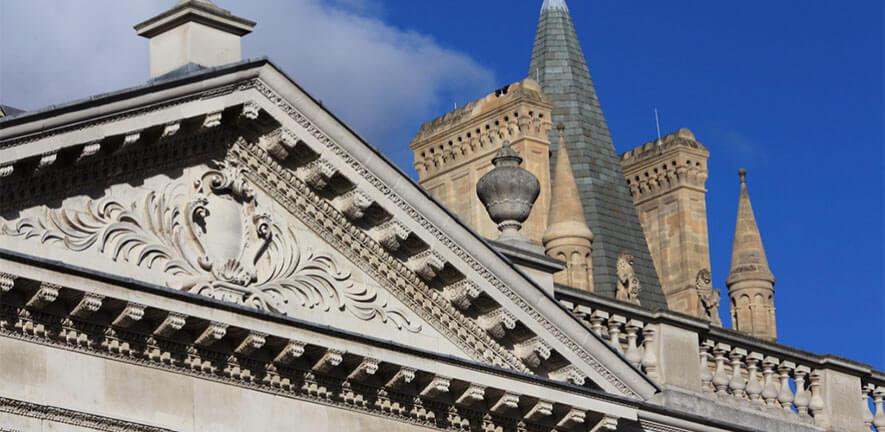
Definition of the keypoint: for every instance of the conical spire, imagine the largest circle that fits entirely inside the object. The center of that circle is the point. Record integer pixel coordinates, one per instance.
(748, 255)
(567, 237)
(566, 212)
(558, 64)
(750, 282)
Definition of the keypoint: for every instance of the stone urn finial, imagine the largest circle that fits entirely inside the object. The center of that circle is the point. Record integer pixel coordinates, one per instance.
(508, 193)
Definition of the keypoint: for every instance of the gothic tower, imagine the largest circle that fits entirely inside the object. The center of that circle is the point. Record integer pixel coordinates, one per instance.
(567, 237)
(750, 282)
(667, 180)
(558, 64)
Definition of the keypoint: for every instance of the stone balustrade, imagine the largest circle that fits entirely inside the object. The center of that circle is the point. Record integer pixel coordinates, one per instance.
(689, 356)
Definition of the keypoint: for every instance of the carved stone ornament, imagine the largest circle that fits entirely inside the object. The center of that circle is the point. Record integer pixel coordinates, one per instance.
(708, 296)
(212, 239)
(628, 284)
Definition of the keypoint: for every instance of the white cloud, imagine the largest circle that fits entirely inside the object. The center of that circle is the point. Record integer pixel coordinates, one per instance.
(381, 79)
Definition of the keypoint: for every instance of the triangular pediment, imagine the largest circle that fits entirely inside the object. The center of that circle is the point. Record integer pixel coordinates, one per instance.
(237, 185)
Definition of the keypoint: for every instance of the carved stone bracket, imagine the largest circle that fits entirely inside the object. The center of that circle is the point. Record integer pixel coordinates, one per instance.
(214, 332)
(368, 367)
(132, 313)
(7, 282)
(89, 304)
(390, 234)
(6, 170)
(437, 386)
(506, 404)
(329, 360)
(353, 204)
(474, 394)
(427, 264)
(170, 129)
(46, 160)
(570, 374)
(573, 419)
(317, 173)
(402, 377)
(293, 350)
(46, 294)
(462, 293)
(171, 324)
(212, 120)
(533, 350)
(540, 410)
(251, 343)
(88, 151)
(497, 322)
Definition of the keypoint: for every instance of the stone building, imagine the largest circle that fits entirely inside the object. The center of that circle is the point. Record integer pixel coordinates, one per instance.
(215, 251)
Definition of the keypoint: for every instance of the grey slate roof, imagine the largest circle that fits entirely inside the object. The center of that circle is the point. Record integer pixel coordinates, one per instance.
(559, 65)
(8, 111)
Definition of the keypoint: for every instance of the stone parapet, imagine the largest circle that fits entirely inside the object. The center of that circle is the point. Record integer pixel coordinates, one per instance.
(728, 368)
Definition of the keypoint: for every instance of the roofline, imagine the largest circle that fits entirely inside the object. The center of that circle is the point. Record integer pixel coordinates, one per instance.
(650, 388)
(127, 93)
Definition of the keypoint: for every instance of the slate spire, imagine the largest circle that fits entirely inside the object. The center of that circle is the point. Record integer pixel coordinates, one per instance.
(750, 281)
(558, 64)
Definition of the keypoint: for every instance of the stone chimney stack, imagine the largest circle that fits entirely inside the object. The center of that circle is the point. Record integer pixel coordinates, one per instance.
(750, 282)
(194, 33)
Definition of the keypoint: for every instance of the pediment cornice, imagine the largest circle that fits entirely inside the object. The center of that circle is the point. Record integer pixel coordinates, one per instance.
(457, 282)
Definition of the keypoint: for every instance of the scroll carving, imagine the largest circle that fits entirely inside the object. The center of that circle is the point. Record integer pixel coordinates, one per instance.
(212, 238)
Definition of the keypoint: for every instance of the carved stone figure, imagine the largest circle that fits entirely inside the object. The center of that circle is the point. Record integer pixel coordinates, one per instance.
(708, 295)
(212, 239)
(628, 284)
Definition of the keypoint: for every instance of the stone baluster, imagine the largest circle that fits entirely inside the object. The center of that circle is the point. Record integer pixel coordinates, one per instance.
(633, 354)
(597, 318)
(754, 386)
(803, 397)
(865, 405)
(614, 332)
(738, 384)
(720, 377)
(649, 357)
(785, 393)
(816, 401)
(706, 375)
(879, 419)
(769, 387)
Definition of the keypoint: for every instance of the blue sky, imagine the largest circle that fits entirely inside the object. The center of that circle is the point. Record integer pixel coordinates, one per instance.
(793, 91)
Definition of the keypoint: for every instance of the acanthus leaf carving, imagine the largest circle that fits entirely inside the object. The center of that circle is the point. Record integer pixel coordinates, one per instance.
(212, 239)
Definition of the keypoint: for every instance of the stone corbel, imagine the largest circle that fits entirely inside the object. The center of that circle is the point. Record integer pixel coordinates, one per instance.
(316, 174)
(462, 293)
(281, 142)
(606, 424)
(390, 234)
(473, 395)
(539, 411)
(507, 403)
(330, 359)
(292, 351)
(88, 151)
(401, 378)
(46, 160)
(532, 351)
(89, 304)
(6, 170)
(46, 294)
(170, 129)
(497, 322)
(353, 204)
(251, 111)
(129, 139)
(572, 419)
(437, 386)
(569, 373)
(368, 367)
(212, 120)
(171, 324)
(132, 313)
(251, 343)
(427, 264)
(7, 282)
(214, 332)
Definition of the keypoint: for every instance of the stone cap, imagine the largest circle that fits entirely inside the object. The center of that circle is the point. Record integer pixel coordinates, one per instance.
(201, 11)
